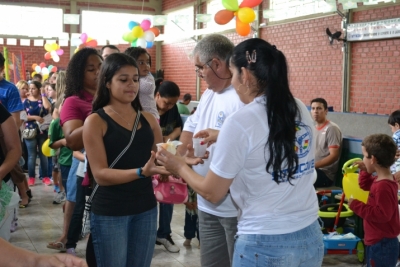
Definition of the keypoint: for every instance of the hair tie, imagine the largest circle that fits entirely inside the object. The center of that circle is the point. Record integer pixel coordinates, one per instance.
(274, 47)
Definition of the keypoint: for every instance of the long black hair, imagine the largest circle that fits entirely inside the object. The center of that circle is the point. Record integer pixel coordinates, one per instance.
(269, 67)
(167, 89)
(76, 71)
(110, 66)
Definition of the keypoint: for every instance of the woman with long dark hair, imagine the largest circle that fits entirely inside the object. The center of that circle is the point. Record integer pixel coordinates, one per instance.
(265, 157)
(124, 209)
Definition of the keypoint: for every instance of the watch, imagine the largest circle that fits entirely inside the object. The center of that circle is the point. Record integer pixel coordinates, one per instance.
(139, 173)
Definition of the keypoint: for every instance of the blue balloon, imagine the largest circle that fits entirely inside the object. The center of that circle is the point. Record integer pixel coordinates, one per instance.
(149, 45)
(132, 24)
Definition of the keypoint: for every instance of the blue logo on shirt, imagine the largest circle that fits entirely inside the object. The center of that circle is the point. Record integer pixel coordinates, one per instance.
(303, 139)
(220, 119)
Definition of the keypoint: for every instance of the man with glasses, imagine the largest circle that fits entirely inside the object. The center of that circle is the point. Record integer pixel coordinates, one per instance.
(217, 222)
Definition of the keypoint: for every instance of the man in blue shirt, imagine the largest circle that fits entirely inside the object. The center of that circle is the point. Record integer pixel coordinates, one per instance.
(9, 95)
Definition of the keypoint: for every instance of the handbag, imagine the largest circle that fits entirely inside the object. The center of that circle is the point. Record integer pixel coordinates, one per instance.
(46, 123)
(175, 191)
(29, 133)
(88, 204)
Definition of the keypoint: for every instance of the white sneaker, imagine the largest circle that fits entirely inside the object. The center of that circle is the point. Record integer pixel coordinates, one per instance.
(168, 245)
(59, 197)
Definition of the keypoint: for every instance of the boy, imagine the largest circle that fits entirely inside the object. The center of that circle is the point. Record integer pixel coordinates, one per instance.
(381, 213)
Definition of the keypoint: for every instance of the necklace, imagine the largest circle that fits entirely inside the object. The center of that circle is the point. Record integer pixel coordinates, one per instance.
(129, 124)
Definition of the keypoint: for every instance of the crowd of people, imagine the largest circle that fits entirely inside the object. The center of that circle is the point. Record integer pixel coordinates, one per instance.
(249, 200)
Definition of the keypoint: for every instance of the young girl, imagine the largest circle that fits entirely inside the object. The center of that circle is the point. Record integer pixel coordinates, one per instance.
(147, 84)
(124, 214)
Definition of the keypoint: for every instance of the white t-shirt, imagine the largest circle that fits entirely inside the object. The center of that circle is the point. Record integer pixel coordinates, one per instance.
(266, 207)
(211, 112)
(146, 95)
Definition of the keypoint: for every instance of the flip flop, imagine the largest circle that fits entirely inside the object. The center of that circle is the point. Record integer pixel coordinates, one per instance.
(57, 246)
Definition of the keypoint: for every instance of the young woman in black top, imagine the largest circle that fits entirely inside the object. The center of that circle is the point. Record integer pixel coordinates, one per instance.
(124, 214)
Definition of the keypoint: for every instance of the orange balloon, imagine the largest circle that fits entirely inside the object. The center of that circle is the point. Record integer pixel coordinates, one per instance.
(34, 66)
(242, 29)
(155, 30)
(223, 16)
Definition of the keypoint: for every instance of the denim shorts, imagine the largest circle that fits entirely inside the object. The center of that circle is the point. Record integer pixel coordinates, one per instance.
(71, 182)
(384, 253)
(303, 248)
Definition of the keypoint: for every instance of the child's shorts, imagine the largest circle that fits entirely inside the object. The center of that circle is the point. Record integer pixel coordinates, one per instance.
(56, 165)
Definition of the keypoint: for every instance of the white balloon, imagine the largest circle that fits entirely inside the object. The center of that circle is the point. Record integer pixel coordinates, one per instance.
(53, 53)
(38, 69)
(45, 71)
(149, 36)
(56, 58)
(141, 42)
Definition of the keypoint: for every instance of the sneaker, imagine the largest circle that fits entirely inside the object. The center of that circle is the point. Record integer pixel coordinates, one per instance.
(47, 181)
(71, 251)
(56, 189)
(63, 196)
(14, 225)
(168, 243)
(31, 181)
(187, 242)
(59, 197)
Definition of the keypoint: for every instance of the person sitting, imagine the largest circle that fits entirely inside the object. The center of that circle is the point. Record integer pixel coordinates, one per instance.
(329, 143)
(182, 106)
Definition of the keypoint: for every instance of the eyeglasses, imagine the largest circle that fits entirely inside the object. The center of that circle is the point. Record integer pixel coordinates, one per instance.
(141, 62)
(200, 69)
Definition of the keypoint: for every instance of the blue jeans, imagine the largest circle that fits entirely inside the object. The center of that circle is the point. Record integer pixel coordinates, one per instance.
(64, 175)
(34, 145)
(165, 218)
(191, 228)
(124, 240)
(71, 181)
(384, 253)
(303, 248)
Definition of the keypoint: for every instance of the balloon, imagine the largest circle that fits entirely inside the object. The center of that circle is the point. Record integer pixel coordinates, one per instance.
(242, 29)
(149, 45)
(223, 16)
(33, 73)
(50, 67)
(133, 44)
(132, 24)
(45, 76)
(53, 53)
(42, 65)
(45, 71)
(46, 149)
(145, 24)
(83, 37)
(47, 47)
(250, 3)
(130, 37)
(38, 69)
(91, 43)
(54, 69)
(34, 66)
(149, 36)
(60, 52)
(246, 15)
(125, 36)
(137, 31)
(141, 42)
(56, 58)
(155, 30)
(231, 5)
(352, 188)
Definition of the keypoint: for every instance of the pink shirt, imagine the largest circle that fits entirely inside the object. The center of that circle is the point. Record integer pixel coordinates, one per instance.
(76, 108)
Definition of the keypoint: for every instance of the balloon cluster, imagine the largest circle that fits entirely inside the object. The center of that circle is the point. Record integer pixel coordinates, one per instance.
(244, 14)
(84, 41)
(53, 51)
(141, 34)
(43, 70)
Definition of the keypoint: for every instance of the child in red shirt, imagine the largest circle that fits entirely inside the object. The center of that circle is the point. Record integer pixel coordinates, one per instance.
(381, 213)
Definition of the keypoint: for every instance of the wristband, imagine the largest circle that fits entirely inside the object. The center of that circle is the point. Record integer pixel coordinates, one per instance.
(139, 172)
(43, 94)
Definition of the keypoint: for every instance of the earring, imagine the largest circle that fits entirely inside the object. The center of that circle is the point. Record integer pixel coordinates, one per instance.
(238, 90)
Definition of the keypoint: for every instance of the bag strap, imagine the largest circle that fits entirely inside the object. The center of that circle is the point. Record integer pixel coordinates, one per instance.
(119, 156)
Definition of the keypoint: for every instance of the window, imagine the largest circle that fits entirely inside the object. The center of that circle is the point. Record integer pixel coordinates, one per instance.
(180, 23)
(212, 8)
(31, 21)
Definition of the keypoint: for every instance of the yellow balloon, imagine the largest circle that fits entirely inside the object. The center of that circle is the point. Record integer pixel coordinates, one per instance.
(246, 15)
(47, 47)
(54, 46)
(45, 76)
(137, 31)
(33, 74)
(352, 188)
(46, 149)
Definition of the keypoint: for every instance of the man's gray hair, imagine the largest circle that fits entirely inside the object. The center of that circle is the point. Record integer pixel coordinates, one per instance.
(214, 45)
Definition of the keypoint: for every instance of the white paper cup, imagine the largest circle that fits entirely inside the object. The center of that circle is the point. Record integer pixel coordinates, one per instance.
(199, 150)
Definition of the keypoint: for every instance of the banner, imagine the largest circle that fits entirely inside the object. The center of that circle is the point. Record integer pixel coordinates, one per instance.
(382, 29)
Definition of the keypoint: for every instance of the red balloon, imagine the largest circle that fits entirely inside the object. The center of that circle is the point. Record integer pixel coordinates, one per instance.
(91, 43)
(47, 56)
(250, 3)
(223, 16)
(155, 30)
(242, 29)
(54, 69)
(42, 65)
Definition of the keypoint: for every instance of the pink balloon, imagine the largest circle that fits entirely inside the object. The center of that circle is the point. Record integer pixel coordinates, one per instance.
(60, 52)
(84, 37)
(145, 25)
(42, 65)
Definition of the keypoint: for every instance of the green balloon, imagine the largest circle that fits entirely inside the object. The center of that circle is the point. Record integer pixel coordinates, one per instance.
(133, 44)
(231, 5)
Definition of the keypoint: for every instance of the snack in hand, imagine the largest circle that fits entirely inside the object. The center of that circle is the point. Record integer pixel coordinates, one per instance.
(170, 146)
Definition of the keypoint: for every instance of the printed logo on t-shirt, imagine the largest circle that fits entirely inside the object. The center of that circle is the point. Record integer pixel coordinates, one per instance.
(303, 140)
(220, 119)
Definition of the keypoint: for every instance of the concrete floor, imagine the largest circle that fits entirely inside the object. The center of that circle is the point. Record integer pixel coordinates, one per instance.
(41, 222)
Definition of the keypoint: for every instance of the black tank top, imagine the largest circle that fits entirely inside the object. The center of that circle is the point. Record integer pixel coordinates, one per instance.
(134, 197)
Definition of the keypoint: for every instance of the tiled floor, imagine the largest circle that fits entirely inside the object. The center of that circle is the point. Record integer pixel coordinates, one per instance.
(42, 221)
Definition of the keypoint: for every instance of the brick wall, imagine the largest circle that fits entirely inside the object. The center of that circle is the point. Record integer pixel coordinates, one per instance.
(375, 79)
